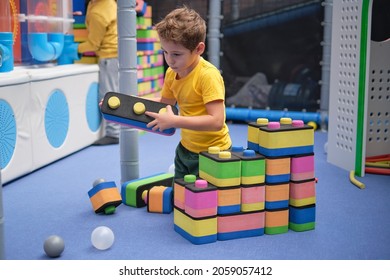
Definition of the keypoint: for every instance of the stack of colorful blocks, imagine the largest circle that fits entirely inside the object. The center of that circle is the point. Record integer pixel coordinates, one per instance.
(197, 222)
(268, 188)
(150, 70)
(239, 193)
(290, 183)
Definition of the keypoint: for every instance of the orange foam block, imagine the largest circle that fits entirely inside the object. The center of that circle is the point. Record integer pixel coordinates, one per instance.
(277, 169)
(105, 197)
(229, 200)
(276, 221)
(179, 190)
(159, 199)
(277, 195)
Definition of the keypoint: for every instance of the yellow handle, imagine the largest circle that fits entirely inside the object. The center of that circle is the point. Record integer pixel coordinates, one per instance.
(354, 181)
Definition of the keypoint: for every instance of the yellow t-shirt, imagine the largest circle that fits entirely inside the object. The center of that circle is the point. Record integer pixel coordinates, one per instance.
(101, 22)
(204, 84)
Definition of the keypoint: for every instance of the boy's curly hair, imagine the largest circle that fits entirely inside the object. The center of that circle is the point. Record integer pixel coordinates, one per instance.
(183, 26)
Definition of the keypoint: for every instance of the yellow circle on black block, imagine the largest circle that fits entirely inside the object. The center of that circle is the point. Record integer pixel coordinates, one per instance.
(225, 154)
(213, 150)
(139, 108)
(285, 121)
(114, 102)
(162, 110)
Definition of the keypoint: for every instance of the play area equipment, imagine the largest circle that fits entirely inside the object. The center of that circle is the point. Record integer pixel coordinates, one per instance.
(47, 113)
(69, 53)
(6, 38)
(378, 164)
(47, 32)
(2, 253)
(359, 94)
(127, 53)
(300, 94)
(45, 29)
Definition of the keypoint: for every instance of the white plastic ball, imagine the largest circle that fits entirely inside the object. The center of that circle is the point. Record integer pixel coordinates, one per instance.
(102, 238)
(171, 169)
(54, 246)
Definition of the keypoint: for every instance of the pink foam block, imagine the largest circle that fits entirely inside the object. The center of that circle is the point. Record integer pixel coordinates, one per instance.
(303, 189)
(252, 194)
(247, 221)
(302, 168)
(302, 176)
(200, 213)
(201, 200)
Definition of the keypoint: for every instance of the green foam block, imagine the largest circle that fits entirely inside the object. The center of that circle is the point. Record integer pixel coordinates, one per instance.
(132, 190)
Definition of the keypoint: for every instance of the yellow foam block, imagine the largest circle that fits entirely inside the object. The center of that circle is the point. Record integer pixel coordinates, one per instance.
(195, 227)
(302, 201)
(285, 138)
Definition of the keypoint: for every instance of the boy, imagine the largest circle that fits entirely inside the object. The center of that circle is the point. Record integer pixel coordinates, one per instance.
(101, 22)
(195, 85)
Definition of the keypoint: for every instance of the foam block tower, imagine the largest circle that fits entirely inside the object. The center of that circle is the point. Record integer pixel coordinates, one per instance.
(267, 188)
(198, 221)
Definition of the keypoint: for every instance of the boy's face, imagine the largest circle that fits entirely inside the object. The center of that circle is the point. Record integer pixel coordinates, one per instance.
(180, 59)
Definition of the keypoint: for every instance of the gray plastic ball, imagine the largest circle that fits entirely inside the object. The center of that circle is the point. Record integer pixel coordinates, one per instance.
(54, 246)
(98, 181)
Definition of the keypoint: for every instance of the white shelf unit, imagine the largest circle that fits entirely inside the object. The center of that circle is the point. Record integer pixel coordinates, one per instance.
(359, 102)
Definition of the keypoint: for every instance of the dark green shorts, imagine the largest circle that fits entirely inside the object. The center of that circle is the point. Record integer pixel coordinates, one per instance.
(186, 162)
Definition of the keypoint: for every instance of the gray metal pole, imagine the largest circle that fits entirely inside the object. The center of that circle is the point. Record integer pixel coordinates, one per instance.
(127, 55)
(214, 32)
(2, 254)
(325, 63)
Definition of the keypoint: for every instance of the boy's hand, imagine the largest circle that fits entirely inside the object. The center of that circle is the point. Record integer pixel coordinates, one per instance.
(162, 120)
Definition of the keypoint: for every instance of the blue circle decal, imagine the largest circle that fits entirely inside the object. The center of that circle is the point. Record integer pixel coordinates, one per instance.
(57, 118)
(7, 133)
(94, 117)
